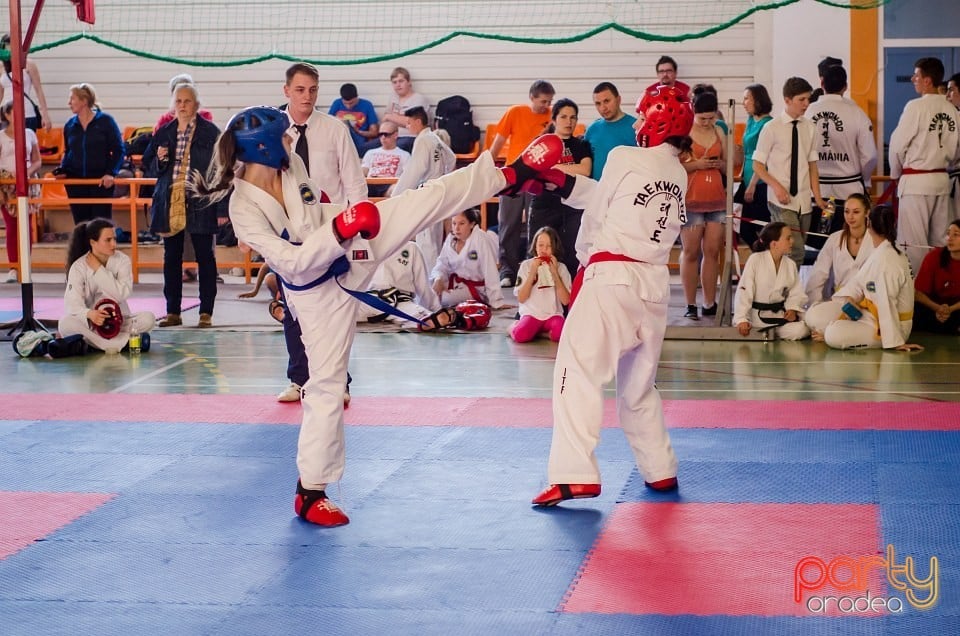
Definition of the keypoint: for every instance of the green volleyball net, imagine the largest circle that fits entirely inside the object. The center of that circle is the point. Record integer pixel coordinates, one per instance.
(335, 32)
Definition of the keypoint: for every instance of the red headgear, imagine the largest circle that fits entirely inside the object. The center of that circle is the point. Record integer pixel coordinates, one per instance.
(667, 113)
(111, 326)
(473, 315)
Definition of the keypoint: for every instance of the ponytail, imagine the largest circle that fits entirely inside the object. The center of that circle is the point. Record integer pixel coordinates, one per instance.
(219, 178)
(83, 233)
(771, 232)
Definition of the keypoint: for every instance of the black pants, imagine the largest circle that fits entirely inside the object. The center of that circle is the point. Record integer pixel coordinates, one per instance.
(173, 270)
(88, 212)
(925, 319)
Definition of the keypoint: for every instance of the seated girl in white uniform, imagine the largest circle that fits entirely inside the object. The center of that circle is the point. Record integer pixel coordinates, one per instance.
(875, 308)
(319, 250)
(769, 295)
(99, 281)
(842, 256)
(543, 288)
(467, 266)
(401, 281)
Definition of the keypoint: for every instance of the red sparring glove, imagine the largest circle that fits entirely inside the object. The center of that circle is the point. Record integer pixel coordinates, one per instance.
(550, 180)
(362, 218)
(542, 154)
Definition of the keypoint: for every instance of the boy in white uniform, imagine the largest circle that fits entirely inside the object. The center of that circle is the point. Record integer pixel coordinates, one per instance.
(922, 146)
(275, 210)
(631, 220)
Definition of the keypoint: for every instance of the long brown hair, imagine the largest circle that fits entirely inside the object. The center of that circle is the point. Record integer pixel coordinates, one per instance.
(865, 200)
(83, 233)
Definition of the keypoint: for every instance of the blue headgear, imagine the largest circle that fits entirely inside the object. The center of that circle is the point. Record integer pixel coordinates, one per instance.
(259, 131)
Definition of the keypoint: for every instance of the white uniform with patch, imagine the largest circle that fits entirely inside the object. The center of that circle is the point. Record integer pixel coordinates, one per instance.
(927, 137)
(835, 266)
(883, 291)
(616, 326)
(846, 150)
(430, 159)
(762, 282)
(477, 261)
(86, 287)
(406, 272)
(327, 314)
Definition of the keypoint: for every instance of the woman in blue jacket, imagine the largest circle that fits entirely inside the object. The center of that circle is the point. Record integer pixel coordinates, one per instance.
(180, 147)
(93, 150)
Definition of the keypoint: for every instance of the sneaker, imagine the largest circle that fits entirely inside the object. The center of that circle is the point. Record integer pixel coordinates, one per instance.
(32, 343)
(506, 281)
(710, 311)
(11, 276)
(290, 394)
(66, 347)
(172, 320)
(691, 313)
(555, 493)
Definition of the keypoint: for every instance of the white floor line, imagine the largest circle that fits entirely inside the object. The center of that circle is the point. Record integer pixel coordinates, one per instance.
(152, 374)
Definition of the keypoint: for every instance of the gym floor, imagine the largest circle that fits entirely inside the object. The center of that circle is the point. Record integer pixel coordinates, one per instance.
(155, 493)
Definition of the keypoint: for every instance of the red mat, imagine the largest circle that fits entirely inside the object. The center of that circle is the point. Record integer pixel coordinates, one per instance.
(29, 516)
(731, 559)
(51, 307)
(480, 412)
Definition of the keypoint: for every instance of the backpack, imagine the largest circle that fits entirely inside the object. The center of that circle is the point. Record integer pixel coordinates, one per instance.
(453, 114)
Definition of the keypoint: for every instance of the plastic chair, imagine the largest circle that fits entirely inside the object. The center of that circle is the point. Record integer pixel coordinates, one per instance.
(580, 130)
(467, 157)
(52, 145)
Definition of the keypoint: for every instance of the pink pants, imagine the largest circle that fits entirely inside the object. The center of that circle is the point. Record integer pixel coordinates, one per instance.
(528, 327)
(13, 250)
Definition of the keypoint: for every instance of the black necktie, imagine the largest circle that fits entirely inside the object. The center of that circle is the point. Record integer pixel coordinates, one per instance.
(305, 154)
(794, 157)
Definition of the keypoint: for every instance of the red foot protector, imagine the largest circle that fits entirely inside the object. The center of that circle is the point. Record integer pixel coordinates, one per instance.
(29, 516)
(734, 559)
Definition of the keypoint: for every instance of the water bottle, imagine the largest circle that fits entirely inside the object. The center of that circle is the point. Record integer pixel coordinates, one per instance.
(134, 341)
(826, 216)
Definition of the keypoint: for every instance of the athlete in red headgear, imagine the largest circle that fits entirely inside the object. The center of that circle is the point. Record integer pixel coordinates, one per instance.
(631, 219)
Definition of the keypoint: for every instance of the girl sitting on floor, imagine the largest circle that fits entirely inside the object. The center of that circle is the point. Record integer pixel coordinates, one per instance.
(543, 288)
(467, 266)
(99, 282)
(769, 295)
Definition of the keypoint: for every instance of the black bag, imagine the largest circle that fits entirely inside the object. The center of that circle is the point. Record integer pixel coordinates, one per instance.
(453, 114)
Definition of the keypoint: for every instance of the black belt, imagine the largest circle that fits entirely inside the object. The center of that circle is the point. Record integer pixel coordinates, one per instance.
(770, 320)
(852, 179)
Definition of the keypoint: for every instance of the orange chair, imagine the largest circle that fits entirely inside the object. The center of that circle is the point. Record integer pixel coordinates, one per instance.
(51, 144)
(738, 130)
(467, 157)
(54, 195)
(580, 130)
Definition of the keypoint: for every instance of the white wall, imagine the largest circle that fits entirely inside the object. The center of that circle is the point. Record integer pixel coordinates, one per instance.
(767, 47)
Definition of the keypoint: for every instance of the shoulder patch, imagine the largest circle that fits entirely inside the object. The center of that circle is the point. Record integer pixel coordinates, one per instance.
(307, 195)
(405, 253)
(871, 286)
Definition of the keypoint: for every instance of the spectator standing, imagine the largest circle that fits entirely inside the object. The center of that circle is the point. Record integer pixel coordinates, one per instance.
(517, 128)
(667, 76)
(923, 145)
(547, 210)
(180, 148)
(430, 159)
(786, 159)
(752, 192)
(34, 112)
(614, 128)
(93, 150)
(331, 161)
(846, 150)
(8, 170)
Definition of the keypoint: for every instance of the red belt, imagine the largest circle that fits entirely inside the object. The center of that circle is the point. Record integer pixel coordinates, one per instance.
(599, 257)
(921, 171)
(473, 285)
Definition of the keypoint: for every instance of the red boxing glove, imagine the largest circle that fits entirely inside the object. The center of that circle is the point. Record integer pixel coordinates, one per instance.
(362, 218)
(542, 154)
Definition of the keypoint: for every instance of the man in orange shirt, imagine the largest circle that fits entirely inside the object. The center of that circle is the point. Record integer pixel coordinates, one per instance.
(518, 127)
